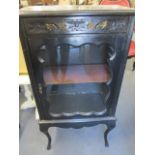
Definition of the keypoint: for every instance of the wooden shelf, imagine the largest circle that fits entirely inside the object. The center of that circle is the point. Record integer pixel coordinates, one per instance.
(76, 74)
(77, 104)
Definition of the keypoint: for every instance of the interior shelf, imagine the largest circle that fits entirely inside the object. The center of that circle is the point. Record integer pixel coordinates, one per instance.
(77, 104)
(76, 74)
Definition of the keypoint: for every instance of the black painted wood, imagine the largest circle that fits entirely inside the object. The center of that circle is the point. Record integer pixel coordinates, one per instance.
(76, 39)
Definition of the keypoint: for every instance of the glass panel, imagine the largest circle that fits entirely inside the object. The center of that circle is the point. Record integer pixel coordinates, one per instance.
(77, 99)
(74, 77)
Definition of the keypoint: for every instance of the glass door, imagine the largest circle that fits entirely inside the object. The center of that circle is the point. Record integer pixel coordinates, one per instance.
(75, 73)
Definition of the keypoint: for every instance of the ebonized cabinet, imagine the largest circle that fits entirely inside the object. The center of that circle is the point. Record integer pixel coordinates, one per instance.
(76, 59)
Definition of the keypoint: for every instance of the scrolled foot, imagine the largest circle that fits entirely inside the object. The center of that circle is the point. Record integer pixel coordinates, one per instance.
(106, 137)
(49, 140)
(109, 128)
(44, 130)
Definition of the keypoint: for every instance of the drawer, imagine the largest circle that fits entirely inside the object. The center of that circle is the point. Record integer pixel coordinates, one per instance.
(76, 25)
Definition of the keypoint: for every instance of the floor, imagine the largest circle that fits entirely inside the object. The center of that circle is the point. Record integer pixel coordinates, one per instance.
(84, 141)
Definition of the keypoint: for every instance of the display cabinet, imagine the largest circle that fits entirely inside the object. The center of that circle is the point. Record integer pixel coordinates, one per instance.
(76, 58)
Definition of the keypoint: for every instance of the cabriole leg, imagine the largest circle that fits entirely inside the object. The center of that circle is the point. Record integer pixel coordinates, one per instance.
(44, 130)
(110, 126)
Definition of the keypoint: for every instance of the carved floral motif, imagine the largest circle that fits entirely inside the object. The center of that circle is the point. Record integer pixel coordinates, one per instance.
(90, 25)
(51, 27)
(76, 25)
(73, 25)
(101, 25)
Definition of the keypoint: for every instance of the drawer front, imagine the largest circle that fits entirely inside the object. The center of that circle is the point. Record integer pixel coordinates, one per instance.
(75, 25)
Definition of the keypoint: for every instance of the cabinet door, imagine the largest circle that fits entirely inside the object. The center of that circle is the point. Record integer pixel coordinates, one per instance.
(71, 70)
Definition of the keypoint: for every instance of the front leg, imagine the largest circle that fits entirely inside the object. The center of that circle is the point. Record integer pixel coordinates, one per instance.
(44, 129)
(110, 126)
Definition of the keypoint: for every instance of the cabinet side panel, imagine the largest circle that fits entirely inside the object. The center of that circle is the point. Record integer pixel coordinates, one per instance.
(25, 48)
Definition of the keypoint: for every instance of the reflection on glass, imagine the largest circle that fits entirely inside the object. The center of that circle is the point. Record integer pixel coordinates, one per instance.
(75, 78)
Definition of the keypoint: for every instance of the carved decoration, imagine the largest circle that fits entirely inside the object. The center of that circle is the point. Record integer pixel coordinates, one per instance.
(102, 25)
(75, 25)
(90, 25)
(37, 27)
(51, 27)
(62, 26)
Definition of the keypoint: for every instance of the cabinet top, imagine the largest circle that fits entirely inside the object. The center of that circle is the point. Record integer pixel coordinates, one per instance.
(75, 10)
